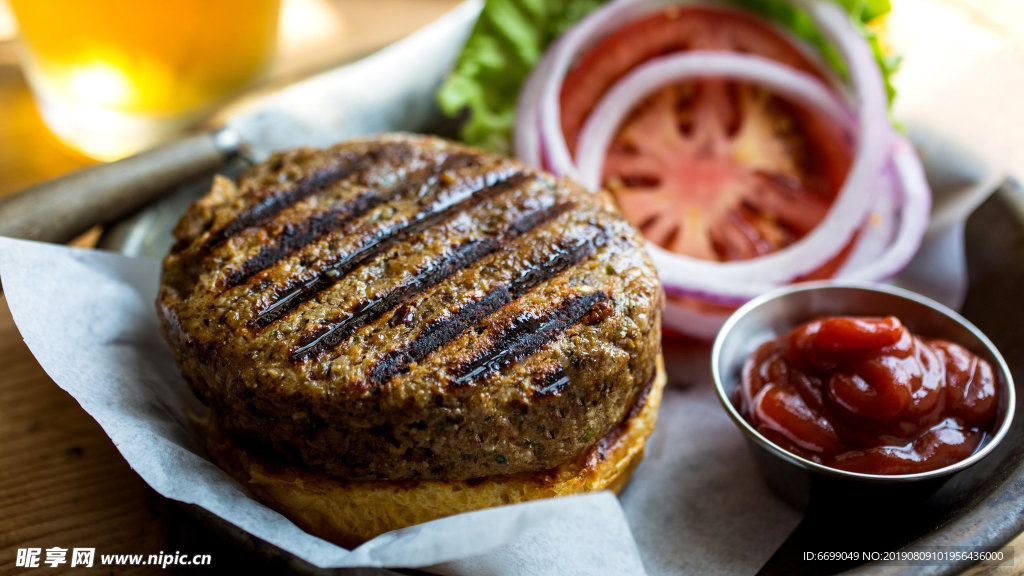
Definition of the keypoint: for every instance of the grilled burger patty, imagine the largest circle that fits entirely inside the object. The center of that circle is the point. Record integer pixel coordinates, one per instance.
(405, 307)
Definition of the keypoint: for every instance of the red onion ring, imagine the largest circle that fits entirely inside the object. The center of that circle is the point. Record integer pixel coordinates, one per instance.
(735, 282)
(526, 137)
(883, 246)
(618, 102)
(879, 227)
(915, 206)
(882, 249)
(583, 34)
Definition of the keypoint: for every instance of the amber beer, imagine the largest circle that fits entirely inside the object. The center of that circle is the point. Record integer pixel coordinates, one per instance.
(114, 76)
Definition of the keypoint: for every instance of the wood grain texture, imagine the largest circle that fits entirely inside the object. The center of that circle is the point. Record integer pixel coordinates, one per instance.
(62, 482)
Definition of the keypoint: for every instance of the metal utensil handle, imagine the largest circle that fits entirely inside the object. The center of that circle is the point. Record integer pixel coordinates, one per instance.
(63, 208)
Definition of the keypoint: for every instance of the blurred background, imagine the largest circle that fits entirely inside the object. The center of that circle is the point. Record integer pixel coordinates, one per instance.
(312, 35)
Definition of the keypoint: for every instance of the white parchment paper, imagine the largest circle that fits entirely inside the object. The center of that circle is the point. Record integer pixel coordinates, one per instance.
(696, 503)
(89, 318)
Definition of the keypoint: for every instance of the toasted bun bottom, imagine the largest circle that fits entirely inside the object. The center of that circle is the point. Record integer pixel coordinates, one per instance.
(350, 513)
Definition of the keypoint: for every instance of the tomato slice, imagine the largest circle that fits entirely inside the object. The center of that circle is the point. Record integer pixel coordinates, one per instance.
(715, 169)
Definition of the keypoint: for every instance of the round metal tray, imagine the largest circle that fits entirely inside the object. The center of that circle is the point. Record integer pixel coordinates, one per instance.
(982, 508)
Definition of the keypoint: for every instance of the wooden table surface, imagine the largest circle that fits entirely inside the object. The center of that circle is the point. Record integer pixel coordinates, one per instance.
(62, 482)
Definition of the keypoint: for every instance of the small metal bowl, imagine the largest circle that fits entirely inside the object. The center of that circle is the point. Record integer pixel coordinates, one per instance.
(769, 316)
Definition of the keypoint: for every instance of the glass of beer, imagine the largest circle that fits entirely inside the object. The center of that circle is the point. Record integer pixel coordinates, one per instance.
(112, 77)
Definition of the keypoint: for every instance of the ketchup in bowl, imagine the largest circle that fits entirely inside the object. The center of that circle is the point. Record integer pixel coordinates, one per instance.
(864, 394)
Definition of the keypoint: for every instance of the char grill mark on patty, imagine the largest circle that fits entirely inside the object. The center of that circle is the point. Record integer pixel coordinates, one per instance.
(558, 388)
(470, 191)
(526, 334)
(466, 255)
(552, 384)
(444, 330)
(267, 208)
(297, 235)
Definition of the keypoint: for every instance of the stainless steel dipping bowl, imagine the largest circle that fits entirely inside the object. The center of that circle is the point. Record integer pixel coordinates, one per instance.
(769, 316)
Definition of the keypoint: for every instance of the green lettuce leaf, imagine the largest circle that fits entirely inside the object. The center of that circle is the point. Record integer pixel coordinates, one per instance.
(862, 13)
(508, 39)
(511, 35)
